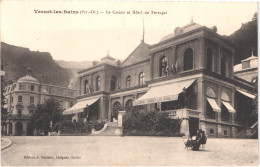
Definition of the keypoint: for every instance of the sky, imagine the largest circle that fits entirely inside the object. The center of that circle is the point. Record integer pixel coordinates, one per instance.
(89, 36)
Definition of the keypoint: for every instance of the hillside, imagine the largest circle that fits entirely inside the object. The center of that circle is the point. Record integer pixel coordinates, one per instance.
(244, 40)
(44, 68)
(74, 64)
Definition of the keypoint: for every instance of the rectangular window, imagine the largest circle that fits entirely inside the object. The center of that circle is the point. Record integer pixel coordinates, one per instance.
(32, 87)
(20, 98)
(20, 87)
(31, 99)
(12, 99)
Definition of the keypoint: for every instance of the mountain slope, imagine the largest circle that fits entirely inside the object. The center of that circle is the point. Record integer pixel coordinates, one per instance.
(74, 64)
(44, 68)
(244, 40)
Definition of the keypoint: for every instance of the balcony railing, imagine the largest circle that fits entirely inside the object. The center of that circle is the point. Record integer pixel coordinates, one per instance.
(182, 113)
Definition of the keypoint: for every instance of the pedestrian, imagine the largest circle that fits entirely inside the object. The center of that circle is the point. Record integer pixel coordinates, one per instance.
(197, 142)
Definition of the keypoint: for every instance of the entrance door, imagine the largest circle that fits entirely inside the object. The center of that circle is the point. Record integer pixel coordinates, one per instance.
(19, 129)
(193, 126)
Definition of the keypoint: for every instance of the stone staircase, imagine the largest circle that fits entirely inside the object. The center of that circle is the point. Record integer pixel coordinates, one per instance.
(249, 133)
(112, 129)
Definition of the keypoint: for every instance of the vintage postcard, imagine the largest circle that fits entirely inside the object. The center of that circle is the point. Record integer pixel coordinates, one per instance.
(140, 83)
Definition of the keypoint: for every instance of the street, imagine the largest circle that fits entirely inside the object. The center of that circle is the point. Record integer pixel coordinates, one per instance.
(125, 151)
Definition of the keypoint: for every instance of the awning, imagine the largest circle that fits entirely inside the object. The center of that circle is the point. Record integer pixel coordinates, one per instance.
(214, 105)
(79, 106)
(162, 93)
(246, 94)
(229, 107)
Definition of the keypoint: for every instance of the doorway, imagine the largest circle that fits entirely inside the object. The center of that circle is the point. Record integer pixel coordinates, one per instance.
(193, 126)
(19, 129)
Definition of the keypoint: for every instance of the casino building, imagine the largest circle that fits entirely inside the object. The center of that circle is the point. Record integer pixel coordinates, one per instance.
(23, 96)
(188, 74)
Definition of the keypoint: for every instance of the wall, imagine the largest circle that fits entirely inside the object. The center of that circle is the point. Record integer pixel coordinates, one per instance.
(134, 72)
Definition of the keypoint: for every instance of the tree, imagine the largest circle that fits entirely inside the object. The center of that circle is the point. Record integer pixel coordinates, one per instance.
(4, 112)
(45, 113)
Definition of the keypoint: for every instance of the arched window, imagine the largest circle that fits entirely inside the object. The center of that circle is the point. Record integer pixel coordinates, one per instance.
(129, 105)
(209, 60)
(98, 83)
(209, 112)
(188, 60)
(141, 78)
(113, 83)
(128, 81)
(86, 87)
(162, 66)
(224, 110)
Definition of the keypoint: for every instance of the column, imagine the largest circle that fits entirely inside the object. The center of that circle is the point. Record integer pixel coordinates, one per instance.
(219, 59)
(233, 132)
(219, 103)
(80, 84)
(203, 126)
(232, 65)
(202, 53)
(24, 128)
(109, 109)
(152, 66)
(174, 60)
(103, 80)
(121, 101)
(233, 105)
(8, 127)
(201, 99)
(91, 85)
(13, 128)
(219, 130)
(185, 127)
(219, 126)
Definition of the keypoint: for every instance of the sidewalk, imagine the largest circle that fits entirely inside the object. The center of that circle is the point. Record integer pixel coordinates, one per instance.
(5, 143)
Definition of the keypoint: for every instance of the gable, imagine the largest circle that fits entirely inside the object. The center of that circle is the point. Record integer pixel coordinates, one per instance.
(141, 53)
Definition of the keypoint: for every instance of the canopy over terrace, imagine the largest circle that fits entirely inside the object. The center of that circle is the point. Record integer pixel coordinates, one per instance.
(246, 94)
(79, 106)
(163, 93)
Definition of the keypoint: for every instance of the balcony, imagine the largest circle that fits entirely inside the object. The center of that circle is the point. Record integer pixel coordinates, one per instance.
(182, 113)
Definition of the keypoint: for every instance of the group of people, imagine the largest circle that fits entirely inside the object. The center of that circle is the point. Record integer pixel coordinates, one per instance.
(200, 139)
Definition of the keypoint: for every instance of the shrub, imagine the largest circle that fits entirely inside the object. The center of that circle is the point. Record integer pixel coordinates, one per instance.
(151, 123)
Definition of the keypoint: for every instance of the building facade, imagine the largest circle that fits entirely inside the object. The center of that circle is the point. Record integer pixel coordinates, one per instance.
(188, 74)
(22, 98)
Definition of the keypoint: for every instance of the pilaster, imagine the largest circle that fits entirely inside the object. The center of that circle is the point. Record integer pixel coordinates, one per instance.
(202, 52)
(201, 98)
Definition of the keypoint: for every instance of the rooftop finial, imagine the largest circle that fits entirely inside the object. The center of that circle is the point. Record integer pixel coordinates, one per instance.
(191, 19)
(29, 71)
(252, 52)
(108, 52)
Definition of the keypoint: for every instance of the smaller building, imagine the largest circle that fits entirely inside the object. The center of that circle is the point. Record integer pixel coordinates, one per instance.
(23, 96)
(247, 69)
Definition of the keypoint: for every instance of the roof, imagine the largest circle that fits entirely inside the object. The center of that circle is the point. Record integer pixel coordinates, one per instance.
(108, 57)
(253, 63)
(141, 53)
(181, 30)
(28, 78)
(250, 58)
